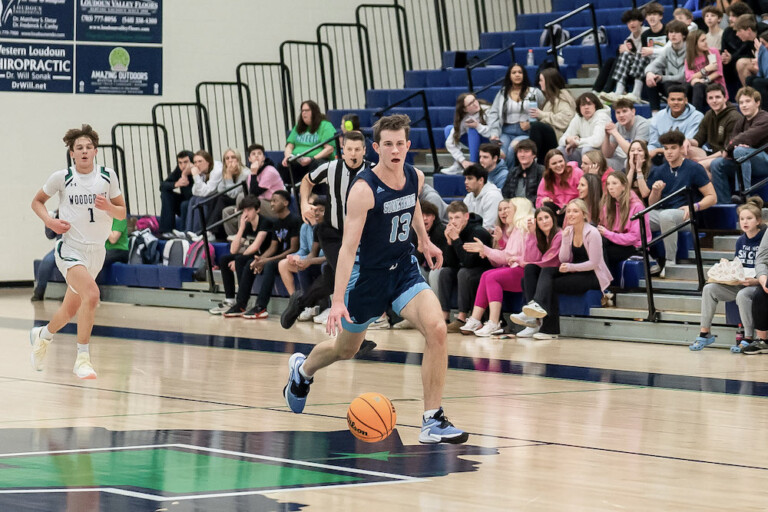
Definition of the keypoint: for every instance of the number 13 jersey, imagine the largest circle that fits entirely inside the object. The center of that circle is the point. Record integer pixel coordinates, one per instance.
(77, 202)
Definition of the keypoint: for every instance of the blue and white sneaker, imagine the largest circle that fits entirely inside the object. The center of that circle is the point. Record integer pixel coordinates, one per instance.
(297, 389)
(438, 429)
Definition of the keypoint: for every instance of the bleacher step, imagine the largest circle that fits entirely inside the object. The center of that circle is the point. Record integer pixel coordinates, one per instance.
(725, 243)
(641, 331)
(684, 271)
(642, 314)
(711, 255)
(672, 284)
(663, 302)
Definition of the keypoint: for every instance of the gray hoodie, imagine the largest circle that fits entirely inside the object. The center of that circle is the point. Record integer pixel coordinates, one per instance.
(670, 64)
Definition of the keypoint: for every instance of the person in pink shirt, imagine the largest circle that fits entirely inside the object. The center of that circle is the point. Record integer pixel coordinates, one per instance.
(558, 184)
(542, 252)
(503, 227)
(593, 162)
(591, 192)
(582, 268)
(507, 274)
(703, 65)
(621, 235)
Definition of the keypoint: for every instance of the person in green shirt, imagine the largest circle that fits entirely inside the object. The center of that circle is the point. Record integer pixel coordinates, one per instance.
(117, 243)
(311, 129)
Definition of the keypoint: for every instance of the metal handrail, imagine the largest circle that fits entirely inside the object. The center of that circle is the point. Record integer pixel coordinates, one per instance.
(199, 207)
(426, 119)
(510, 48)
(740, 175)
(653, 314)
(557, 47)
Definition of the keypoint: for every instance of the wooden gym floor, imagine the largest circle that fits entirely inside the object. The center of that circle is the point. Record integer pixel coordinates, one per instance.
(187, 414)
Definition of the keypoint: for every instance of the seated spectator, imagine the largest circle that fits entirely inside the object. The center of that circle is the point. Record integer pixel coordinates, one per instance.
(436, 231)
(605, 84)
(508, 115)
(251, 240)
(542, 251)
(490, 159)
(587, 130)
(482, 196)
(630, 68)
(350, 122)
(638, 163)
(558, 184)
(233, 173)
(174, 203)
(678, 116)
(206, 175)
(507, 274)
(749, 133)
(470, 122)
(593, 162)
(760, 303)
(47, 265)
(621, 234)
(703, 67)
(668, 68)
(628, 127)
(677, 172)
(591, 192)
(284, 241)
(747, 247)
(550, 122)
(311, 129)
(464, 274)
(523, 180)
(698, 9)
(733, 48)
(430, 195)
(305, 263)
(713, 16)
(117, 243)
(581, 269)
(685, 16)
(715, 129)
(759, 81)
(746, 30)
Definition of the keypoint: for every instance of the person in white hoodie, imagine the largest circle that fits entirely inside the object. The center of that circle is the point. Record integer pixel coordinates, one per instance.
(470, 120)
(206, 176)
(587, 130)
(483, 197)
(668, 68)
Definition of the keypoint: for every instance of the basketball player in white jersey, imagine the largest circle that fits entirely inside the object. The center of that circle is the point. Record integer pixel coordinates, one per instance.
(89, 198)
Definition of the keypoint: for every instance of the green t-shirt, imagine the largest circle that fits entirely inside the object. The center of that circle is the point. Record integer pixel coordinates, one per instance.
(306, 140)
(122, 242)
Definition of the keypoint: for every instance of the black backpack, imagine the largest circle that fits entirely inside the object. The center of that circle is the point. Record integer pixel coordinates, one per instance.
(142, 248)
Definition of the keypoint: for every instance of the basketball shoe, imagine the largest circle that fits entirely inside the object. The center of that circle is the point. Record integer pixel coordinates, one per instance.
(83, 368)
(438, 429)
(297, 389)
(39, 348)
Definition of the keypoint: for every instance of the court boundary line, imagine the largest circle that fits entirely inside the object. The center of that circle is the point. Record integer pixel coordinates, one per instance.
(394, 478)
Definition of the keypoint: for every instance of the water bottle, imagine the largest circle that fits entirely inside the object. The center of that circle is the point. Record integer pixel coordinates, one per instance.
(739, 334)
(529, 62)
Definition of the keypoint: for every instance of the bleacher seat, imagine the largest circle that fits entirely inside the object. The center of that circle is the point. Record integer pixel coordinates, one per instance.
(449, 185)
(579, 305)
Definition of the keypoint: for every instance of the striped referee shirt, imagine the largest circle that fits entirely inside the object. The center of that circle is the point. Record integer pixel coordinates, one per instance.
(339, 177)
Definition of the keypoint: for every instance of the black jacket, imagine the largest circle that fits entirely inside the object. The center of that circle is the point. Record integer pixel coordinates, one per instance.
(532, 177)
(473, 229)
(169, 183)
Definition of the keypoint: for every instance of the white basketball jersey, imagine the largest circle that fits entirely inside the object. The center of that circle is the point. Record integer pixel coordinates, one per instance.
(77, 197)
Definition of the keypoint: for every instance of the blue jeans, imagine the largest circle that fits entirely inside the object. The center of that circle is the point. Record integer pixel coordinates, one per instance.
(472, 139)
(724, 173)
(511, 133)
(44, 273)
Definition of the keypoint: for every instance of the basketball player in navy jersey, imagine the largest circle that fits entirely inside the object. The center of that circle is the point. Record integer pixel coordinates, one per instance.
(376, 269)
(89, 198)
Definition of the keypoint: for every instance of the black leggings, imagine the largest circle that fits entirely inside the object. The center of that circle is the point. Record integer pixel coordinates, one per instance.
(544, 285)
(760, 309)
(245, 275)
(615, 253)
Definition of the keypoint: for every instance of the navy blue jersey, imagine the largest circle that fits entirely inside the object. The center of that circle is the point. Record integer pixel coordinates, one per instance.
(386, 237)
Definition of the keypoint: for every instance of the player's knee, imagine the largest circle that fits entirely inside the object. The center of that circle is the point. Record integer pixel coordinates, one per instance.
(90, 296)
(346, 351)
(436, 330)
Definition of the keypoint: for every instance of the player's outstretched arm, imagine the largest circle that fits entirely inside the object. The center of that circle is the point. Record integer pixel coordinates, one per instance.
(359, 202)
(58, 226)
(426, 247)
(114, 207)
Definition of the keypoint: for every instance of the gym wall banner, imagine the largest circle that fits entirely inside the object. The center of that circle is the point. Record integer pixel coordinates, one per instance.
(115, 46)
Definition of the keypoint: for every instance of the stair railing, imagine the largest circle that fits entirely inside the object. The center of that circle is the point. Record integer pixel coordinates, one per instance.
(550, 27)
(470, 67)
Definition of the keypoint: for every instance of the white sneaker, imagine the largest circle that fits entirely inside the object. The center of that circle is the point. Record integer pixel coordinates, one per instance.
(471, 325)
(322, 318)
(178, 234)
(489, 329)
(404, 324)
(454, 169)
(532, 309)
(83, 368)
(528, 332)
(222, 308)
(544, 336)
(381, 323)
(611, 97)
(308, 314)
(523, 319)
(39, 348)
(634, 99)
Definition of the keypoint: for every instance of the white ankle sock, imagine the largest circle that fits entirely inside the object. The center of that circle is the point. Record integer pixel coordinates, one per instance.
(82, 348)
(303, 374)
(45, 333)
(637, 90)
(620, 88)
(430, 413)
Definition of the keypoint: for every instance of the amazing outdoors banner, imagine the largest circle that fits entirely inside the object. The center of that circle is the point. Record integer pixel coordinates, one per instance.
(81, 46)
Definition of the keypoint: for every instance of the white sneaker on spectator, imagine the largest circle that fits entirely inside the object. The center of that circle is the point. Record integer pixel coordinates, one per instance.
(308, 314)
(381, 323)
(471, 325)
(178, 234)
(194, 237)
(322, 318)
(403, 324)
(523, 319)
(231, 237)
(634, 99)
(528, 332)
(454, 169)
(609, 96)
(544, 336)
(663, 273)
(223, 307)
(489, 329)
(532, 309)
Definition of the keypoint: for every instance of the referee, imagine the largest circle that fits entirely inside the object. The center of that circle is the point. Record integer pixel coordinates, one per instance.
(338, 175)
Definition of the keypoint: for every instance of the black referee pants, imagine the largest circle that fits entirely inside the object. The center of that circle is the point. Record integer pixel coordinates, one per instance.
(330, 242)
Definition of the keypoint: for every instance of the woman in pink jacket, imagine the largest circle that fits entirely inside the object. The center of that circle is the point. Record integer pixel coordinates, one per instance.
(559, 183)
(581, 269)
(621, 235)
(542, 252)
(507, 275)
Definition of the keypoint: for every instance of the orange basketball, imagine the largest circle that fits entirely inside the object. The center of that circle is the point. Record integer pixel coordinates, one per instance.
(371, 417)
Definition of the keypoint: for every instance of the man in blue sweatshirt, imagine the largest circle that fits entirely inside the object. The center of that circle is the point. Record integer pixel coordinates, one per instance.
(490, 159)
(678, 116)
